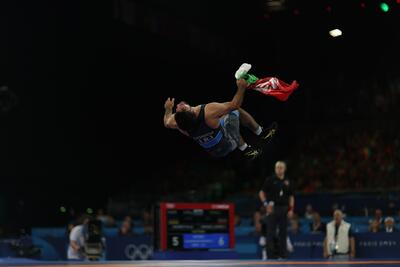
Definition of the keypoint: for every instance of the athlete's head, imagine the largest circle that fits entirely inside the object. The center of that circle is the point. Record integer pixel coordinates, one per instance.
(185, 117)
(186, 120)
(183, 106)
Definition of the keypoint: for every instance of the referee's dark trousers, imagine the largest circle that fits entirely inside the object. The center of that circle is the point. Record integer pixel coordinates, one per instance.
(277, 232)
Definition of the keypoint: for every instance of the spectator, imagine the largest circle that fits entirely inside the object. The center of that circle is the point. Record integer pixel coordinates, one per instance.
(371, 153)
(317, 226)
(339, 242)
(309, 212)
(128, 218)
(374, 226)
(237, 220)
(147, 222)
(379, 216)
(389, 225)
(107, 220)
(125, 229)
(294, 227)
(77, 238)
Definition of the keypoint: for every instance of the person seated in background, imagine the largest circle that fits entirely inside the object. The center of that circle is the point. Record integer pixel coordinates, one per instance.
(237, 220)
(339, 241)
(147, 222)
(128, 218)
(125, 229)
(389, 225)
(309, 212)
(377, 217)
(107, 220)
(317, 226)
(374, 226)
(294, 227)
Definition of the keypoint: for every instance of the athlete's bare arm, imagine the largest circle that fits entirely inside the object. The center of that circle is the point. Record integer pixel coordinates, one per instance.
(214, 110)
(169, 117)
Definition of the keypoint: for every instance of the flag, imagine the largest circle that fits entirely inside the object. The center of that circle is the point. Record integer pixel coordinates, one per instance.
(275, 87)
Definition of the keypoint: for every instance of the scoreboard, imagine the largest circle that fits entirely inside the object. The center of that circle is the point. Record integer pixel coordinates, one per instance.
(195, 226)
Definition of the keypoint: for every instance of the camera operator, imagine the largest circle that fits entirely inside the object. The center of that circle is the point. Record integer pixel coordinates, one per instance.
(77, 238)
(86, 241)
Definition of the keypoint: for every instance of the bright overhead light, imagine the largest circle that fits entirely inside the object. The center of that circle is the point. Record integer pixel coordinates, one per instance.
(335, 32)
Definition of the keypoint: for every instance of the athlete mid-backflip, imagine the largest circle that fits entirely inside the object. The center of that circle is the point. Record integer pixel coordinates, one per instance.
(215, 126)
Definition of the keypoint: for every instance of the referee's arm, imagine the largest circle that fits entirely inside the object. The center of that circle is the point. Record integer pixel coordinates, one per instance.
(262, 196)
(263, 192)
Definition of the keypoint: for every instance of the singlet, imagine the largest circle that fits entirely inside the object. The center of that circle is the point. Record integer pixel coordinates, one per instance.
(212, 140)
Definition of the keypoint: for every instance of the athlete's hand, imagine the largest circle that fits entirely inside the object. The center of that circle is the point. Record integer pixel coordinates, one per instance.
(169, 103)
(241, 83)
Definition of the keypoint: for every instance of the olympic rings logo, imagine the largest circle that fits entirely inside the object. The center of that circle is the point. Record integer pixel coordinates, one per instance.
(142, 252)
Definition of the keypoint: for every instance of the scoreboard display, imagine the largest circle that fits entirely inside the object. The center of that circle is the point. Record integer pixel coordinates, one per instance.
(195, 226)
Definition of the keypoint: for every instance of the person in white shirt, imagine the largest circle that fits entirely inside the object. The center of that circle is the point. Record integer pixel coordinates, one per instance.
(389, 225)
(339, 242)
(77, 241)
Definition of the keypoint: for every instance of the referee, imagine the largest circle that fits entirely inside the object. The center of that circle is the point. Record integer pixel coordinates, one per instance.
(278, 198)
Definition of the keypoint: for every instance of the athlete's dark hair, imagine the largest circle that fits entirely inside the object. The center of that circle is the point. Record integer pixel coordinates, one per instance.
(186, 120)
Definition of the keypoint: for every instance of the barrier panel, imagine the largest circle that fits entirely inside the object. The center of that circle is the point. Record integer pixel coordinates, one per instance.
(139, 247)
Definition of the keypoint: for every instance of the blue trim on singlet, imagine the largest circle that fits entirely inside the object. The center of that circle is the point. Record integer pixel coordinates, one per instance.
(216, 139)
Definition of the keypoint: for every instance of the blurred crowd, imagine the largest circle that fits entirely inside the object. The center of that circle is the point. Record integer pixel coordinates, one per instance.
(311, 222)
(336, 157)
(359, 160)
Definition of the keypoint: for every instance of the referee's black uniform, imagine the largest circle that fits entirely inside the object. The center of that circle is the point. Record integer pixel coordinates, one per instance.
(277, 190)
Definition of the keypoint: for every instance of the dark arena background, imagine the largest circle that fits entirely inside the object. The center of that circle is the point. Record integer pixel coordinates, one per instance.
(90, 175)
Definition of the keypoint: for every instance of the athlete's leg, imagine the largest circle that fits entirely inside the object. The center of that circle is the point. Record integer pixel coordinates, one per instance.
(232, 128)
(241, 141)
(249, 151)
(248, 121)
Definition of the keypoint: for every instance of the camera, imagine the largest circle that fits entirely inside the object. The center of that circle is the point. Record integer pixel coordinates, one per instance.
(94, 241)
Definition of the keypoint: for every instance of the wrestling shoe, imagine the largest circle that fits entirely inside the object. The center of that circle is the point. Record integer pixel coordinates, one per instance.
(268, 133)
(252, 153)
